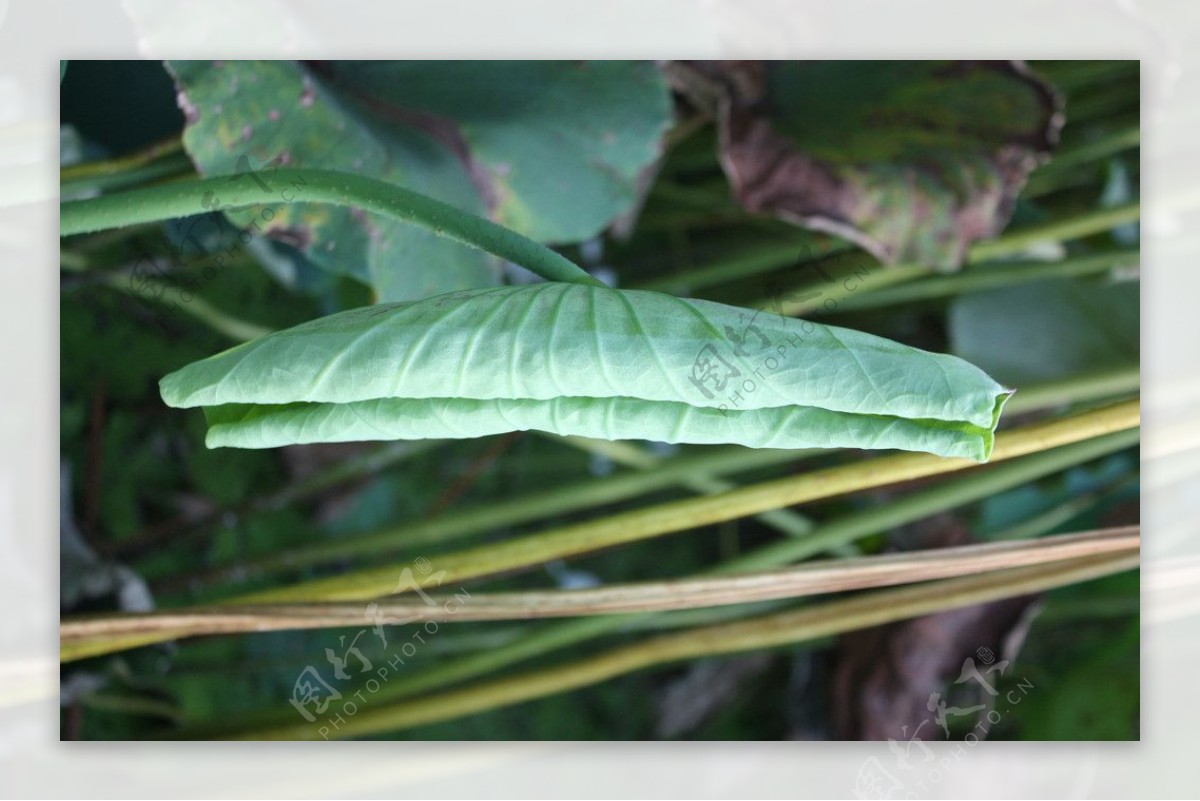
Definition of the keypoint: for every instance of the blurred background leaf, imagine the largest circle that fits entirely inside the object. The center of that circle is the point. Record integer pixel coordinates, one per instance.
(1051, 329)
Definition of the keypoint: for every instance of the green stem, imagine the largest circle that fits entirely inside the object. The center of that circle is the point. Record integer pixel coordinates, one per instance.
(705, 481)
(656, 521)
(860, 524)
(172, 146)
(770, 631)
(1072, 76)
(820, 578)
(1071, 166)
(671, 517)
(172, 166)
(1089, 386)
(979, 277)
(1040, 524)
(554, 637)
(1096, 149)
(132, 705)
(920, 505)
(187, 198)
(762, 258)
(72, 262)
(686, 618)
(101, 241)
(693, 471)
(350, 469)
(149, 289)
(1075, 227)
(877, 276)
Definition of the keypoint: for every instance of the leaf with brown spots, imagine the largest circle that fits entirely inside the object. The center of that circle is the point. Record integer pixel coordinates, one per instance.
(911, 160)
(554, 150)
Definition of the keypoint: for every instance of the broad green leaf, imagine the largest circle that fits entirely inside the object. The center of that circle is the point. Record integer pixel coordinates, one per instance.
(599, 362)
(912, 160)
(1049, 330)
(553, 150)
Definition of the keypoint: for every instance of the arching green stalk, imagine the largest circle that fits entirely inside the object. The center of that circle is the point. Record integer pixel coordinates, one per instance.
(187, 198)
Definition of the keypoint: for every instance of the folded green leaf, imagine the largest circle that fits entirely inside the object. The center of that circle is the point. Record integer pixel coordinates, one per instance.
(577, 359)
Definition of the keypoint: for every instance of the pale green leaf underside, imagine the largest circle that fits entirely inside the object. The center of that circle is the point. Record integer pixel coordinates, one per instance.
(575, 359)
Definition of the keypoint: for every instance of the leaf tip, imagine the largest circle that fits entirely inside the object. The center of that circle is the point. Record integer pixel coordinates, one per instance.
(989, 435)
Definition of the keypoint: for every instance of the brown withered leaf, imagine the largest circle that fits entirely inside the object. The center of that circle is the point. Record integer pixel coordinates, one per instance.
(895, 681)
(911, 160)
